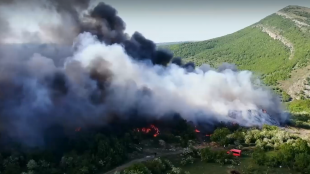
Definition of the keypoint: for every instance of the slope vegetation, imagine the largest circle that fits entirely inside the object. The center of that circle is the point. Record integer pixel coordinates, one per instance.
(274, 47)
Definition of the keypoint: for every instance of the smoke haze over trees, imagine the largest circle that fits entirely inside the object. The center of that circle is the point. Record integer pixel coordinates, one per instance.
(106, 73)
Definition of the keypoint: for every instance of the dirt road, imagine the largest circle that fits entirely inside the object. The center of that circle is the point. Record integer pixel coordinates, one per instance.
(159, 154)
(122, 167)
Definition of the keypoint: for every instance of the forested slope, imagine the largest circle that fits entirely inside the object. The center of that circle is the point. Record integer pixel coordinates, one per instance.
(272, 47)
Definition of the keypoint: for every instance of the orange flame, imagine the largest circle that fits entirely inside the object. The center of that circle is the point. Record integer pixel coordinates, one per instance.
(148, 130)
(208, 135)
(156, 130)
(196, 130)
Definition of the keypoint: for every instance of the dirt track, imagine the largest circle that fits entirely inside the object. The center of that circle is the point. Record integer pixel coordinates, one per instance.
(122, 167)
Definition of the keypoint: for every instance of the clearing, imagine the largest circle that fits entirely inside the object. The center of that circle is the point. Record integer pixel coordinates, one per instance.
(160, 153)
(200, 167)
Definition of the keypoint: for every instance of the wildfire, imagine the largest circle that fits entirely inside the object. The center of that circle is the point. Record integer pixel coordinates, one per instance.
(148, 130)
(196, 130)
(208, 135)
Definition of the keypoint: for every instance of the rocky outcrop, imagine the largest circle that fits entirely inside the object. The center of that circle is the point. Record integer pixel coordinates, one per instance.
(299, 83)
(297, 22)
(273, 33)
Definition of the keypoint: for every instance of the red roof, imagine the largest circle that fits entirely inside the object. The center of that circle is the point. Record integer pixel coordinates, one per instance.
(235, 150)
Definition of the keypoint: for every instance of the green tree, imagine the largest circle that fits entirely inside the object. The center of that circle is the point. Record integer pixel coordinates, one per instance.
(220, 135)
(273, 160)
(287, 152)
(302, 162)
(137, 168)
(207, 155)
(301, 146)
(259, 156)
(157, 166)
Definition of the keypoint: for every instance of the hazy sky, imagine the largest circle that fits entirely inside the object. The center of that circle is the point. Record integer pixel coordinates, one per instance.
(190, 20)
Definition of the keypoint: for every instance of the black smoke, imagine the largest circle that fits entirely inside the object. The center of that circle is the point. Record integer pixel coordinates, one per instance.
(38, 93)
(43, 89)
(110, 28)
(190, 66)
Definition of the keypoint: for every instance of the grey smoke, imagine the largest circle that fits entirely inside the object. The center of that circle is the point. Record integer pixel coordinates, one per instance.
(61, 21)
(205, 67)
(105, 74)
(4, 27)
(225, 66)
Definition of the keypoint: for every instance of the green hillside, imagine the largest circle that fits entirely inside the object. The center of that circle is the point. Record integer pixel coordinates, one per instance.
(273, 47)
(170, 43)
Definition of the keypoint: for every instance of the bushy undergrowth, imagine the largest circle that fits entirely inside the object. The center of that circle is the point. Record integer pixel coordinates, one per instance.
(295, 155)
(269, 137)
(300, 121)
(155, 166)
(298, 106)
(275, 147)
(219, 156)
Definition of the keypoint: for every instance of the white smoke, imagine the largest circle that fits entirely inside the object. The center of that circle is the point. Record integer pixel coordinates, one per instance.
(203, 94)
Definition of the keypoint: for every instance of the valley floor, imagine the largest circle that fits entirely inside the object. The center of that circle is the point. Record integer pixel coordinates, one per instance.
(200, 167)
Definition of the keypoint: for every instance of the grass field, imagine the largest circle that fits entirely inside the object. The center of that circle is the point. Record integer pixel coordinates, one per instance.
(200, 167)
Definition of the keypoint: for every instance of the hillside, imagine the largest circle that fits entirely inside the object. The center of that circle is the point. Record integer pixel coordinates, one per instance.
(170, 43)
(277, 48)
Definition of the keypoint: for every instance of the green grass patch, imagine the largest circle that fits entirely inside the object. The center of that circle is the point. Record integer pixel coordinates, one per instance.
(246, 166)
(297, 106)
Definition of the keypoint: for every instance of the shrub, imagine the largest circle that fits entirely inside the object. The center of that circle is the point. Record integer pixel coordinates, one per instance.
(156, 166)
(301, 146)
(299, 106)
(207, 155)
(269, 127)
(187, 160)
(237, 137)
(294, 154)
(302, 162)
(287, 153)
(137, 168)
(220, 157)
(273, 160)
(259, 156)
(220, 136)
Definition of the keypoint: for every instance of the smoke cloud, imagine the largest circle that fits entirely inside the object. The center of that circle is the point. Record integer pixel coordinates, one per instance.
(106, 74)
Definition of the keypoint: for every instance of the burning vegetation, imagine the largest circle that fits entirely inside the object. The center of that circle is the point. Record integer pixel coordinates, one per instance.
(151, 129)
(108, 75)
(108, 87)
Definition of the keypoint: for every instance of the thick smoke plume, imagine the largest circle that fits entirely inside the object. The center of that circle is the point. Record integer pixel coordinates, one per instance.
(106, 74)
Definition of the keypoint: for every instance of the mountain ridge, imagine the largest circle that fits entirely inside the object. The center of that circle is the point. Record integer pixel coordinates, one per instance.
(276, 48)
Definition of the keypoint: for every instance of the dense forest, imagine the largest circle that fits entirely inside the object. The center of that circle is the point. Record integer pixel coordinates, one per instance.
(87, 151)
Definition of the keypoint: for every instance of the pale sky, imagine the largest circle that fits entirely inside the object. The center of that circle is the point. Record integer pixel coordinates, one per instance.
(193, 20)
